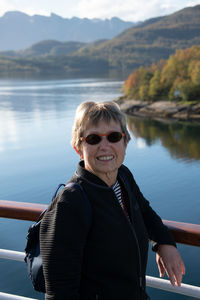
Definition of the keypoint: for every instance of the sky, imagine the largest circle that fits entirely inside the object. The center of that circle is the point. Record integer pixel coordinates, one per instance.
(129, 10)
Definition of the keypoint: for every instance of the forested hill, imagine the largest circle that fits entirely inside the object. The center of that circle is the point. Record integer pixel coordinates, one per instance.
(46, 48)
(143, 44)
(152, 40)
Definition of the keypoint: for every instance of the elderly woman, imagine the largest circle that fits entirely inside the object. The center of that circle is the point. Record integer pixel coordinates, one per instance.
(104, 258)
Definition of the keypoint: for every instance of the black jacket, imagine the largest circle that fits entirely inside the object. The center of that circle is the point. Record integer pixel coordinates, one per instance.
(104, 260)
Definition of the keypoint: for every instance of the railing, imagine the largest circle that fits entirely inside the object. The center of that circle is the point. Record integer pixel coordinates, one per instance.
(183, 233)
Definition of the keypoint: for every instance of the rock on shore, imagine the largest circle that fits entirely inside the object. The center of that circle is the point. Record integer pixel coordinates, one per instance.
(160, 109)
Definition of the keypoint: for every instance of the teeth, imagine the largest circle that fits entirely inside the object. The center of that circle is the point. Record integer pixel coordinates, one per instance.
(105, 157)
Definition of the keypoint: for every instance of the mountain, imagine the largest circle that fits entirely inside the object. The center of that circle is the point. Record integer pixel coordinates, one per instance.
(142, 44)
(152, 40)
(19, 30)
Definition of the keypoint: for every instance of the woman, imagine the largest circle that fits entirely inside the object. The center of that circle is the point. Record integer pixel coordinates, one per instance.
(107, 258)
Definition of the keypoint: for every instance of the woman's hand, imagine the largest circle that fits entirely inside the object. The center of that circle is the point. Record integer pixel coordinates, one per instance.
(169, 261)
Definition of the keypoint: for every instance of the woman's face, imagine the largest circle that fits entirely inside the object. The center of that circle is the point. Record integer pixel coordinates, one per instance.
(104, 158)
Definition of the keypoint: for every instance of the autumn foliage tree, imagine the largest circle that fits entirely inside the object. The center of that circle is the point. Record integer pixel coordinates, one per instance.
(177, 78)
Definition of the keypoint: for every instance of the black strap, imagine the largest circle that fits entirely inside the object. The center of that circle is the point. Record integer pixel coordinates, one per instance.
(86, 200)
(55, 194)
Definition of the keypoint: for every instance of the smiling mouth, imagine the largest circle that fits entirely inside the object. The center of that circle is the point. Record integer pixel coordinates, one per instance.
(105, 158)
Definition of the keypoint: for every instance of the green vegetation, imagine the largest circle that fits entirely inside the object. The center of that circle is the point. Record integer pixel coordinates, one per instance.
(177, 78)
(52, 65)
(49, 47)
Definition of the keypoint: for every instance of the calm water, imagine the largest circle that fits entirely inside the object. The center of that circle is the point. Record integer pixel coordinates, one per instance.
(35, 155)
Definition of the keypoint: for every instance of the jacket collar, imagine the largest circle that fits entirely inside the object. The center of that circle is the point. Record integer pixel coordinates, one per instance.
(81, 171)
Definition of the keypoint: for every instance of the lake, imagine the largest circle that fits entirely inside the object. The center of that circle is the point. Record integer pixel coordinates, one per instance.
(36, 117)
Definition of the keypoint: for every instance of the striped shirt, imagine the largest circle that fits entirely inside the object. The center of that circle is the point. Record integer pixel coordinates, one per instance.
(118, 193)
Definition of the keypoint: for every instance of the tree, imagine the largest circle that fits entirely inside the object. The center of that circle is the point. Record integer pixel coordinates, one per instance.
(155, 90)
(178, 78)
(194, 70)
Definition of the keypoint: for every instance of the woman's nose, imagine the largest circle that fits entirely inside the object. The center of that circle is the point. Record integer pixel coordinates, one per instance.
(104, 142)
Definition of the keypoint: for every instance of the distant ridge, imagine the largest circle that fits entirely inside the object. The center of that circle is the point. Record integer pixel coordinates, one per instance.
(19, 30)
(49, 47)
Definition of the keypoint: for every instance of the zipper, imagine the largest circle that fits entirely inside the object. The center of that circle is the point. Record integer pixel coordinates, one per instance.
(139, 255)
(137, 243)
(140, 262)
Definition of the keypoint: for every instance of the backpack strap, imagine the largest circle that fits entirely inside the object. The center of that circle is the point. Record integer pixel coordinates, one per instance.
(55, 194)
(85, 199)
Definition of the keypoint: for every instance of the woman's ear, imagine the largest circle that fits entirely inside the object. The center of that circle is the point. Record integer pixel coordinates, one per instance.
(79, 152)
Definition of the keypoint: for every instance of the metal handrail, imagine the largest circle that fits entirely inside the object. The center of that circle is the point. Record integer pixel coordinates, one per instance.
(5, 296)
(184, 233)
(163, 284)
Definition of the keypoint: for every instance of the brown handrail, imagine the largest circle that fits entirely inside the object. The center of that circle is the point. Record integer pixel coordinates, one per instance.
(184, 233)
(21, 210)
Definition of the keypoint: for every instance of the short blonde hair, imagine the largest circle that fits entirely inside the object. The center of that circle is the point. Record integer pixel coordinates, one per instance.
(90, 113)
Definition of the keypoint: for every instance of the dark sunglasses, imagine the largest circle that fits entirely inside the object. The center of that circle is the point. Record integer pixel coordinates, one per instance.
(94, 139)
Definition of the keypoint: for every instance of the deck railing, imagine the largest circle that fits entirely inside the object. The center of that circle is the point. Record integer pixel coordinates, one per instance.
(184, 233)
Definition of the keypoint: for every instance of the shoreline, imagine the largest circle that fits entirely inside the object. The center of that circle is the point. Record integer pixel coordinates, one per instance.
(160, 109)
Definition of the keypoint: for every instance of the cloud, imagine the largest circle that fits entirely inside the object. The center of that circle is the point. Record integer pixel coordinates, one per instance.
(130, 9)
(16, 5)
(40, 7)
(5, 6)
(193, 3)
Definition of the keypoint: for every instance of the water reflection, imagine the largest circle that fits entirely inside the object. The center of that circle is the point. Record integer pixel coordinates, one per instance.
(29, 108)
(8, 130)
(181, 139)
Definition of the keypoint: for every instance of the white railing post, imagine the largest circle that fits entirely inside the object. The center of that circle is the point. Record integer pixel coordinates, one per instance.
(4, 296)
(13, 255)
(163, 284)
